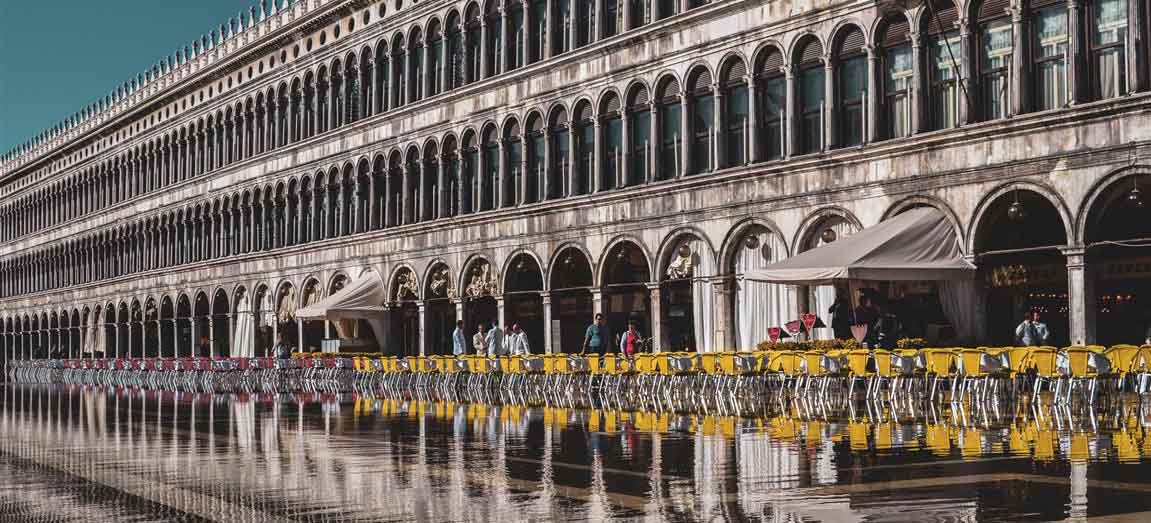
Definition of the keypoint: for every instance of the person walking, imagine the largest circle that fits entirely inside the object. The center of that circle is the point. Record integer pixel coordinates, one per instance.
(1032, 332)
(595, 336)
(494, 340)
(630, 341)
(520, 345)
(459, 340)
(280, 350)
(479, 340)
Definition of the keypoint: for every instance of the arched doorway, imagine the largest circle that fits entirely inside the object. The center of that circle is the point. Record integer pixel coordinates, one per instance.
(758, 306)
(123, 332)
(221, 324)
(686, 296)
(570, 290)
(626, 274)
(406, 312)
(479, 295)
(819, 299)
(136, 331)
(1117, 236)
(523, 305)
(1018, 241)
(440, 312)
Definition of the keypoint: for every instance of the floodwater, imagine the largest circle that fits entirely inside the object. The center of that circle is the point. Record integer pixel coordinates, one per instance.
(74, 453)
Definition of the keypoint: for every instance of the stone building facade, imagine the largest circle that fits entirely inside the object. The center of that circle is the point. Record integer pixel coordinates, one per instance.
(536, 162)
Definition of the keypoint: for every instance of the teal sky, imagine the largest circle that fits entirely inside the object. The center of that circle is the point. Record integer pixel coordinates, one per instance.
(58, 56)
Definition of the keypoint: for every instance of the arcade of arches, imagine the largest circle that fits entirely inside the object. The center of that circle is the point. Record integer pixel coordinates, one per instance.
(1085, 267)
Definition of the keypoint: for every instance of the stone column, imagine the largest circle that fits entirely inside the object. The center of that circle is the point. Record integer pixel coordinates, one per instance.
(299, 334)
(569, 176)
(482, 73)
(966, 68)
(175, 337)
(918, 77)
(684, 136)
(596, 33)
(405, 199)
(502, 174)
(623, 166)
(831, 102)
(505, 61)
(545, 178)
(717, 142)
(1080, 297)
(546, 301)
(1136, 46)
(1018, 81)
(752, 155)
(597, 157)
(212, 338)
(522, 197)
(871, 116)
(792, 123)
(545, 41)
(724, 320)
(422, 307)
(597, 300)
(1074, 58)
(653, 291)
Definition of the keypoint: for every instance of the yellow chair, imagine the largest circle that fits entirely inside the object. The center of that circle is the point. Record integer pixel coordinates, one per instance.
(1123, 359)
(1043, 362)
(941, 364)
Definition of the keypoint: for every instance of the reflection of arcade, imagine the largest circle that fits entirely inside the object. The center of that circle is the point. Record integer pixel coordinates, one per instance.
(1118, 239)
(571, 299)
(1020, 261)
(625, 291)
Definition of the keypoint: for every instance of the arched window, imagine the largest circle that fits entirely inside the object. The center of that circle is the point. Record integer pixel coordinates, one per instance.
(473, 35)
(639, 134)
(811, 96)
(612, 17)
(395, 190)
(584, 144)
(367, 103)
(702, 111)
(452, 186)
(611, 126)
(995, 48)
(536, 158)
(851, 81)
(515, 42)
(640, 13)
(562, 27)
(513, 155)
(351, 89)
(309, 109)
(469, 173)
(495, 38)
(490, 168)
(585, 18)
(338, 100)
(1049, 53)
(670, 130)
(536, 31)
(771, 97)
(429, 195)
(435, 59)
(399, 74)
(944, 49)
(735, 104)
(455, 53)
(559, 171)
(415, 65)
(412, 187)
(898, 73)
(1107, 21)
(383, 81)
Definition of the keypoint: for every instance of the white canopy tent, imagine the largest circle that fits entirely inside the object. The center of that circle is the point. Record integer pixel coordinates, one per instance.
(919, 244)
(361, 299)
(916, 245)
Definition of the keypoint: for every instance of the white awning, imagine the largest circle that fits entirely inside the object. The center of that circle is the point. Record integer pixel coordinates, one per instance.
(919, 244)
(361, 299)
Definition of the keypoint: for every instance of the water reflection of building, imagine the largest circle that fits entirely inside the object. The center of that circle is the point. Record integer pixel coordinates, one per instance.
(315, 145)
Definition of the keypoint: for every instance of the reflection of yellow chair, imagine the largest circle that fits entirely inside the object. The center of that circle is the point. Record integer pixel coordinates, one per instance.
(1126, 448)
(858, 435)
(972, 443)
(1080, 448)
(1017, 442)
(884, 435)
(938, 439)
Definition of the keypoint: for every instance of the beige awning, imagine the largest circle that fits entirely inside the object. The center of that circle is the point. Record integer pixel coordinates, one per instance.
(361, 299)
(919, 244)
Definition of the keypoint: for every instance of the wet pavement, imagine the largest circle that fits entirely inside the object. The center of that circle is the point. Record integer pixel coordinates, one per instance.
(73, 453)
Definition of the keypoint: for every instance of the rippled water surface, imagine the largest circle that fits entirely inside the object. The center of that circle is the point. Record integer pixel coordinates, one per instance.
(106, 454)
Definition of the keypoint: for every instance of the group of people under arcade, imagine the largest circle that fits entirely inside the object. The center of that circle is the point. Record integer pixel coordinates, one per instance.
(512, 340)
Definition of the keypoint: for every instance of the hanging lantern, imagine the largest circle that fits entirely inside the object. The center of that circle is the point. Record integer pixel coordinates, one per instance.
(568, 260)
(620, 254)
(828, 235)
(521, 265)
(751, 242)
(1135, 197)
(684, 250)
(1016, 212)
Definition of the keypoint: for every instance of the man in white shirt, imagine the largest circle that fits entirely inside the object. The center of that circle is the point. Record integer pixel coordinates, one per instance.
(495, 341)
(459, 340)
(520, 345)
(1032, 332)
